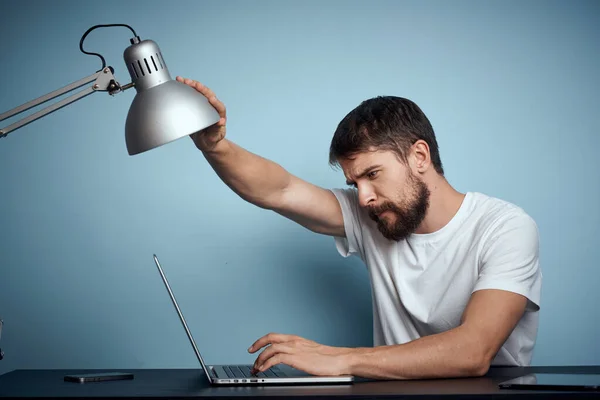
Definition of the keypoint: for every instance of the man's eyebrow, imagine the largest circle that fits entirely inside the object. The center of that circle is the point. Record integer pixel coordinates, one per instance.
(363, 173)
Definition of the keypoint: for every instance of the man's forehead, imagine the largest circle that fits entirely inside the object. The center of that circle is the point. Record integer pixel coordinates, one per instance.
(358, 162)
(352, 165)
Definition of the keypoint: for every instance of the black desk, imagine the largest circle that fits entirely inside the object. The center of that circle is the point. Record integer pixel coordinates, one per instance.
(189, 383)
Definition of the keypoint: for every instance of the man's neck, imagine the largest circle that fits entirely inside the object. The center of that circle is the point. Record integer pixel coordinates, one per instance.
(444, 203)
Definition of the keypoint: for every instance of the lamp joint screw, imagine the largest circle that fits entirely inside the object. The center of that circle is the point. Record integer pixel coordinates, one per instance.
(96, 86)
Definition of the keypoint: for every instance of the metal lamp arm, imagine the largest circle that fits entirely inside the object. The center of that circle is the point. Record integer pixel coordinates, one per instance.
(103, 81)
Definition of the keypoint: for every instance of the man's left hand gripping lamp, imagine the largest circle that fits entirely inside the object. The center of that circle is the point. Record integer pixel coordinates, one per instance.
(162, 111)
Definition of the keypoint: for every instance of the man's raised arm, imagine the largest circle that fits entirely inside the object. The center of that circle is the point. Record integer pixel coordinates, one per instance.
(263, 182)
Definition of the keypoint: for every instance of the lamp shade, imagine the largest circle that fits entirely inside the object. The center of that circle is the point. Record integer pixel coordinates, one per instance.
(163, 109)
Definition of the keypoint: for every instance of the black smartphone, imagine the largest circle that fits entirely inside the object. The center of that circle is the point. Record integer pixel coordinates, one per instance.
(98, 377)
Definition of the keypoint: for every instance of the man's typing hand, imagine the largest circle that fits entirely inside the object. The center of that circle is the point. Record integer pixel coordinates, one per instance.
(300, 353)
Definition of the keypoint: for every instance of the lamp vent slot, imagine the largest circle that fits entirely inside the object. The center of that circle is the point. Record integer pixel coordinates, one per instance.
(133, 71)
(154, 63)
(147, 66)
(161, 60)
(141, 69)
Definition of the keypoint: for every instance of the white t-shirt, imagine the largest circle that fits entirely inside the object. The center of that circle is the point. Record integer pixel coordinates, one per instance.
(421, 285)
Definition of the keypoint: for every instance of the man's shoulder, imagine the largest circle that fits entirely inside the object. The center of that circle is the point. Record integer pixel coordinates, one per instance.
(496, 207)
(496, 214)
(345, 192)
(355, 214)
(348, 199)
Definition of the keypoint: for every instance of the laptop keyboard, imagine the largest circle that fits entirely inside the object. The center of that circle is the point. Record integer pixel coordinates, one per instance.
(243, 371)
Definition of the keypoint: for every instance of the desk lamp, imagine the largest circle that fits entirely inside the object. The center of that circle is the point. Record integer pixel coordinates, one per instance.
(163, 110)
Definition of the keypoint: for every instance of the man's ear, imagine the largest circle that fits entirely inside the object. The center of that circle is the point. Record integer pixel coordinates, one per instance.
(420, 158)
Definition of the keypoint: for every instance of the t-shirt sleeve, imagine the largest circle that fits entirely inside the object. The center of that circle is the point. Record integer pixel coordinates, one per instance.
(352, 243)
(510, 260)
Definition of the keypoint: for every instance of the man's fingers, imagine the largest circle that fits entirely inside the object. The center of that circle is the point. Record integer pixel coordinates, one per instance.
(205, 90)
(209, 94)
(269, 352)
(280, 358)
(271, 338)
(189, 82)
(218, 105)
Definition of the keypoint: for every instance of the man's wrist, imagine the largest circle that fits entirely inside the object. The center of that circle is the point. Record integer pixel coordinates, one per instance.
(219, 148)
(351, 359)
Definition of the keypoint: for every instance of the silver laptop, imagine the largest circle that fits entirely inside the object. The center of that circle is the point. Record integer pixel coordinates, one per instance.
(240, 374)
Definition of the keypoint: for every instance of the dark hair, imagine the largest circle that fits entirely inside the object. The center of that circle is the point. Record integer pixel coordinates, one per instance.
(384, 123)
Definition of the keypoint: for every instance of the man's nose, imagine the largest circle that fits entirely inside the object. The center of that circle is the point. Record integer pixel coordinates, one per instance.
(365, 197)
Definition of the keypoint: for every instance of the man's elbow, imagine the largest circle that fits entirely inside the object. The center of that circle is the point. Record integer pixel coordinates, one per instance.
(480, 364)
(470, 369)
(474, 363)
(480, 368)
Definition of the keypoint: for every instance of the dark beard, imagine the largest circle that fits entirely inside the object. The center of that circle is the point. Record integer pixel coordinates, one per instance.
(408, 218)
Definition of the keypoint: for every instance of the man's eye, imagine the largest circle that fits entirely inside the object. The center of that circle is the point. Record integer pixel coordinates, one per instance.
(372, 174)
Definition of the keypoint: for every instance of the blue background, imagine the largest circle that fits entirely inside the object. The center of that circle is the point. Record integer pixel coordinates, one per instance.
(511, 89)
